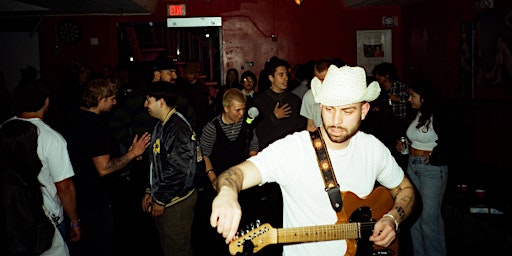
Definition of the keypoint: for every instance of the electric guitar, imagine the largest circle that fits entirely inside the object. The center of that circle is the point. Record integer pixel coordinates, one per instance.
(356, 230)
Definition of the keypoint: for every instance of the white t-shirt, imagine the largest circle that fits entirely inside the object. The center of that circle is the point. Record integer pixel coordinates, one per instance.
(53, 152)
(292, 163)
(310, 109)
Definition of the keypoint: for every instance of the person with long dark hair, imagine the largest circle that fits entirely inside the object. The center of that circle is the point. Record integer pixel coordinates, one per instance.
(21, 208)
(427, 168)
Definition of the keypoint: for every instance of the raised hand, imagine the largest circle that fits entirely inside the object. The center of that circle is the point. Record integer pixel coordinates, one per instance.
(139, 145)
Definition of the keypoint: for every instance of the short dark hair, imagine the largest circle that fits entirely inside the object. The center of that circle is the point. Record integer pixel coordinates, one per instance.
(323, 65)
(275, 63)
(163, 90)
(250, 74)
(164, 64)
(30, 97)
(386, 69)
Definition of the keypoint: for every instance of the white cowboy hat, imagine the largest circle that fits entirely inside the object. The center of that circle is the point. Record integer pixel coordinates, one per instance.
(344, 86)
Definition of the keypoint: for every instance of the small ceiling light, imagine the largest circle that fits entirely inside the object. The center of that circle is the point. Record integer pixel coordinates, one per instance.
(299, 2)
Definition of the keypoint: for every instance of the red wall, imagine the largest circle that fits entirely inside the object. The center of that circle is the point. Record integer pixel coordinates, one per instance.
(57, 56)
(316, 29)
(426, 39)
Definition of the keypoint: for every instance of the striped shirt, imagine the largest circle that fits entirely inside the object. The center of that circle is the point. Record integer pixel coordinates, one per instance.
(209, 135)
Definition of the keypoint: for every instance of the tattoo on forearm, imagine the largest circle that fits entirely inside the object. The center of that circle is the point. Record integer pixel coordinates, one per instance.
(395, 194)
(227, 181)
(401, 212)
(407, 201)
(117, 163)
(230, 178)
(399, 190)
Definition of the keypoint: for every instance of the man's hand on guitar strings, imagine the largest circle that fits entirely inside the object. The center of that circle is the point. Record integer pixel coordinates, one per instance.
(384, 232)
(226, 213)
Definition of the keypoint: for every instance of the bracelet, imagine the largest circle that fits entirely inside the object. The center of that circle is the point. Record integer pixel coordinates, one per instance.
(211, 170)
(392, 217)
(75, 225)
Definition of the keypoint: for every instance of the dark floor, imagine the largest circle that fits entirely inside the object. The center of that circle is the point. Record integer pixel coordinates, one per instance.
(476, 233)
(466, 233)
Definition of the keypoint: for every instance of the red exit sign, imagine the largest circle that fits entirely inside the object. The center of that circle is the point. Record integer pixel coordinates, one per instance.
(176, 10)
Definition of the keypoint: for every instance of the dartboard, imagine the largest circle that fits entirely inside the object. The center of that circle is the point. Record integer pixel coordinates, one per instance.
(68, 32)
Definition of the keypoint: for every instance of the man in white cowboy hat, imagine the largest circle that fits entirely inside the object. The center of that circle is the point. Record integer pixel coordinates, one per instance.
(358, 161)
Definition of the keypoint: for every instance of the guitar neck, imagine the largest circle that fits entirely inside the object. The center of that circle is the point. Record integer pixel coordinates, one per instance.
(362, 212)
(319, 233)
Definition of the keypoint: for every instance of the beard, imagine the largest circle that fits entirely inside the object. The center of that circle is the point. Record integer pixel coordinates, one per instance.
(339, 134)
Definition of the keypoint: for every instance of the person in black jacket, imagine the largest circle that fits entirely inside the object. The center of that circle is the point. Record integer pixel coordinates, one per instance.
(174, 155)
(25, 228)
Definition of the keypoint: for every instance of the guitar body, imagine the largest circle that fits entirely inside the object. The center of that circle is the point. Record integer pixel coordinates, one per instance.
(355, 227)
(366, 210)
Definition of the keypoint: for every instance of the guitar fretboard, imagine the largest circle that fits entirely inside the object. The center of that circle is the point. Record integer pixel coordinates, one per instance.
(320, 233)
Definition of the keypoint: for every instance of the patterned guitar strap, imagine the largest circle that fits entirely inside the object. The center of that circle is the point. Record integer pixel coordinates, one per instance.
(324, 162)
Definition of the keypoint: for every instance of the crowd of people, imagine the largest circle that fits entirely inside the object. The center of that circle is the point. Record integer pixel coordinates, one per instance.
(163, 164)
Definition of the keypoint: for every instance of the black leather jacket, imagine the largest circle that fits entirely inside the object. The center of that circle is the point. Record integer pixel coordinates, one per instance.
(174, 158)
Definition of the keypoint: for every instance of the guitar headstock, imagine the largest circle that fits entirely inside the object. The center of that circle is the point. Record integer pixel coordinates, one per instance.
(260, 237)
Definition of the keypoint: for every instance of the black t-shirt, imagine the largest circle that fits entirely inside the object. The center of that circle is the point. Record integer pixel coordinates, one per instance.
(88, 136)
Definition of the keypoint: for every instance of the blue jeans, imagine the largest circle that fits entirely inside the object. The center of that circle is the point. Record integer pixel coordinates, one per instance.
(427, 233)
(63, 229)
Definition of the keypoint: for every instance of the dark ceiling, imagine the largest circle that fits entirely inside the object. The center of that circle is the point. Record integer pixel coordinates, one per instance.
(119, 7)
(76, 7)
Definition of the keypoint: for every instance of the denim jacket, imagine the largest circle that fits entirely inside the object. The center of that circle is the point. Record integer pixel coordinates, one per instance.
(173, 157)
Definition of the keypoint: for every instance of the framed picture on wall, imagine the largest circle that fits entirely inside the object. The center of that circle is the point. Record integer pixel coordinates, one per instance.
(373, 47)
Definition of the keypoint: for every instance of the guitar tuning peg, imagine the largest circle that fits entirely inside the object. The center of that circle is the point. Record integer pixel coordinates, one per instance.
(258, 223)
(252, 226)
